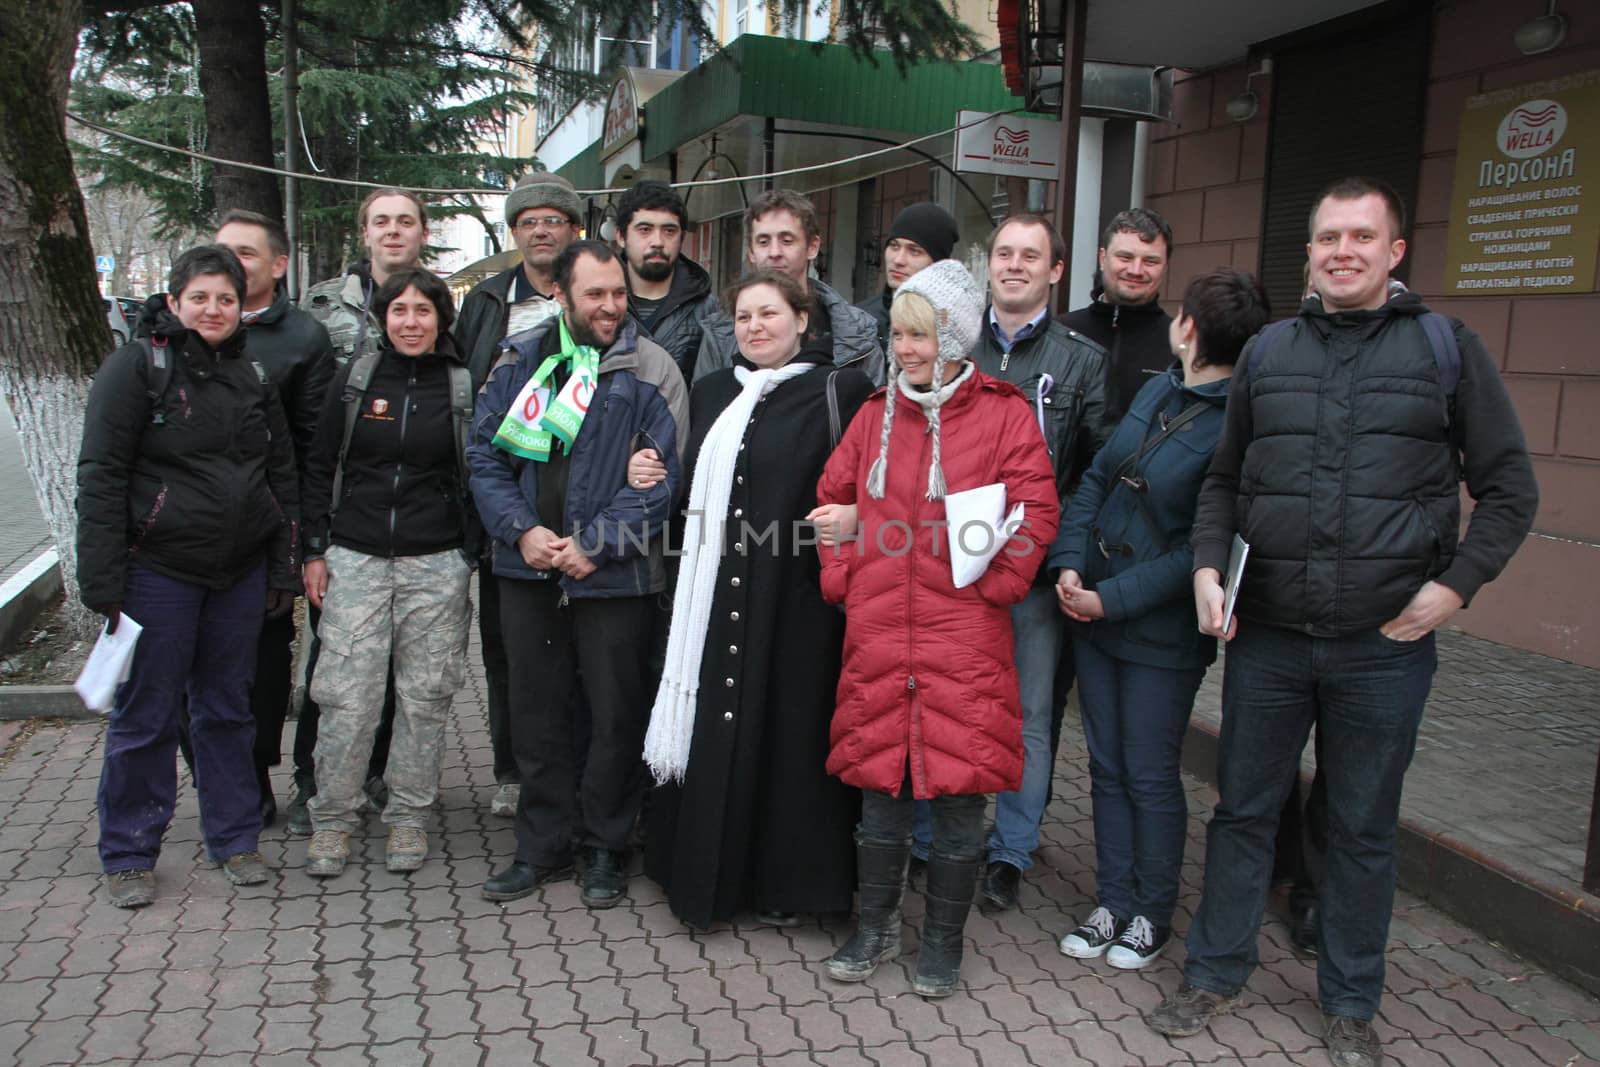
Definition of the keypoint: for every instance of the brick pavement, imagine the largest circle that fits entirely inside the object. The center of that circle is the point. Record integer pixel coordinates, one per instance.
(392, 969)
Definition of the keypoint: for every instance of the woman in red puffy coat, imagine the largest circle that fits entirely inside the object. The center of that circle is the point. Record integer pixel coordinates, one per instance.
(928, 706)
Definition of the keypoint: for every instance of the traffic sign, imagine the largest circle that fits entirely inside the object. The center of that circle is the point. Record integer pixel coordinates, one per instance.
(105, 264)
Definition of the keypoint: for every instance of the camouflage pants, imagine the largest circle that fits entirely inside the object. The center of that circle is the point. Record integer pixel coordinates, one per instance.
(414, 608)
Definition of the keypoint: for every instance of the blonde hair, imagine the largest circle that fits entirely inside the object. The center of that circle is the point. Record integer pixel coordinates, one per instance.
(913, 311)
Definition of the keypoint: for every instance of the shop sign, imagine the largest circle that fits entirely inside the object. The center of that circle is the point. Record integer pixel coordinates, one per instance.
(622, 120)
(1525, 211)
(1018, 146)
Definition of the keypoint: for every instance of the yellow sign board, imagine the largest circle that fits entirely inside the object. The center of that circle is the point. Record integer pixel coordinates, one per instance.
(1525, 210)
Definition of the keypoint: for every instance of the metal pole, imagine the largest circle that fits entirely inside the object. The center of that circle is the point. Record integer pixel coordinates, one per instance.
(291, 147)
(1072, 14)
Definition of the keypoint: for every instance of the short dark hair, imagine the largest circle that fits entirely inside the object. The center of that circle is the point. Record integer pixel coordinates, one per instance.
(567, 261)
(1146, 224)
(793, 295)
(1058, 245)
(1228, 307)
(797, 204)
(649, 196)
(1354, 188)
(427, 283)
(277, 236)
(202, 260)
(361, 212)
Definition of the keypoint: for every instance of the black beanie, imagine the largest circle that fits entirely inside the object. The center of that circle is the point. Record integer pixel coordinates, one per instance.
(929, 225)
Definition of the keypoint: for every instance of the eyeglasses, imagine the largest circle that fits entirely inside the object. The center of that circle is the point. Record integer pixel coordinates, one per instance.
(549, 222)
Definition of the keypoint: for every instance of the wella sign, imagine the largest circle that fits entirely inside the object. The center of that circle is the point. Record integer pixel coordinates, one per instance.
(1019, 146)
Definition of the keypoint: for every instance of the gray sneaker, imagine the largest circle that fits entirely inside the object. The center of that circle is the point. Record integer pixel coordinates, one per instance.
(246, 868)
(1189, 1011)
(1351, 1042)
(505, 801)
(407, 848)
(131, 889)
(327, 853)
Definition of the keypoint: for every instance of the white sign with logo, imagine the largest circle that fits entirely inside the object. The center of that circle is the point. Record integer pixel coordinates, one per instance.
(1018, 146)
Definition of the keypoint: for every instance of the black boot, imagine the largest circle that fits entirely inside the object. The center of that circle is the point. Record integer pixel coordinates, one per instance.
(881, 867)
(951, 882)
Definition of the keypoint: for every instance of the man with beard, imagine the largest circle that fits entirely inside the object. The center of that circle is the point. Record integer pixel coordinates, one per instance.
(543, 213)
(668, 294)
(921, 235)
(394, 227)
(580, 558)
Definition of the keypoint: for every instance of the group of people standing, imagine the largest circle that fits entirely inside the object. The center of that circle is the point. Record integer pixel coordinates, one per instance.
(661, 569)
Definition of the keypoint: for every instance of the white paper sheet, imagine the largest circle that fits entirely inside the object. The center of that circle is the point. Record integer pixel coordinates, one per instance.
(979, 529)
(108, 666)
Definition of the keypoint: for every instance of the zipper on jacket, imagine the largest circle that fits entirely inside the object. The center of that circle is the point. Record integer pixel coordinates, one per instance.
(399, 462)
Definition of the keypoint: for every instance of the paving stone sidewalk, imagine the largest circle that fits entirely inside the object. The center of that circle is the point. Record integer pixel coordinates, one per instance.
(391, 969)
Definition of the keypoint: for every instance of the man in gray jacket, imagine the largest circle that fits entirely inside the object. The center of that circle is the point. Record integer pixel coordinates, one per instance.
(781, 225)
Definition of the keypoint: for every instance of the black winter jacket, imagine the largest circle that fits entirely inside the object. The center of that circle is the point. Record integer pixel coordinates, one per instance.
(1137, 344)
(679, 321)
(404, 492)
(202, 496)
(480, 329)
(878, 307)
(1339, 465)
(294, 350)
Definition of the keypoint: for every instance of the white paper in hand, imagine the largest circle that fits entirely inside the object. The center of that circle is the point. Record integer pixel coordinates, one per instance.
(979, 529)
(108, 666)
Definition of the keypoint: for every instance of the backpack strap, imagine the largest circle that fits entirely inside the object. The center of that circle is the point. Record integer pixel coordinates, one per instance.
(461, 413)
(1446, 358)
(157, 375)
(835, 430)
(355, 389)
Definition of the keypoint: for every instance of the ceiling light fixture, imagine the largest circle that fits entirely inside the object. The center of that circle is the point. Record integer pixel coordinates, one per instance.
(1542, 33)
(1244, 107)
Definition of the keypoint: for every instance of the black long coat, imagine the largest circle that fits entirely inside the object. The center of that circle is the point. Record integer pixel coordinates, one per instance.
(757, 822)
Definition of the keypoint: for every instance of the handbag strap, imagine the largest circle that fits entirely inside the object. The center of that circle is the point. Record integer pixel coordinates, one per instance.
(835, 431)
(1183, 418)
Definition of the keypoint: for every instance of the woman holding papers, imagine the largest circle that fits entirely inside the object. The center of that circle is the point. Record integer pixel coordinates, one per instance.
(1124, 561)
(747, 817)
(928, 706)
(390, 536)
(187, 521)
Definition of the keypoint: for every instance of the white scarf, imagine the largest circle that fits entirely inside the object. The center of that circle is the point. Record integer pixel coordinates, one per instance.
(666, 743)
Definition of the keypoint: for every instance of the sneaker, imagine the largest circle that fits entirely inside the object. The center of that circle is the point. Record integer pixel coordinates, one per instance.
(778, 918)
(327, 853)
(1002, 886)
(1351, 1042)
(505, 801)
(246, 868)
(131, 889)
(1139, 945)
(604, 882)
(1189, 1011)
(1090, 941)
(407, 848)
(297, 816)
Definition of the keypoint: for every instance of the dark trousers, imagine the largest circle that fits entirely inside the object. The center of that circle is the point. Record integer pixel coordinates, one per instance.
(1302, 844)
(1365, 695)
(957, 820)
(1134, 718)
(496, 676)
(269, 698)
(1066, 675)
(305, 731)
(197, 643)
(603, 645)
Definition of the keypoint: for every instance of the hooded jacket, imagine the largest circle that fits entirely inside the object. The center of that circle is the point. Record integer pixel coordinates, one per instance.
(1135, 337)
(344, 307)
(1340, 464)
(1131, 545)
(680, 321)
(639, 401)
(929, 673)
(853, 331)
(203, 495)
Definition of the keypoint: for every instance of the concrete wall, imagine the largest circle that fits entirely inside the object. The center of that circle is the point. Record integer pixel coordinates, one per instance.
(1206, 177)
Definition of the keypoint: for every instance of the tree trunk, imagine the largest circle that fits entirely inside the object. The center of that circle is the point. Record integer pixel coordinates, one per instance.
(233, 81)
(53, 332)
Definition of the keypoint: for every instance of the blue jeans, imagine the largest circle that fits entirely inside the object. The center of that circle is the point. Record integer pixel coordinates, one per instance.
(200, 642)
(1134, 718)
(1036, 623)
(1365, 693)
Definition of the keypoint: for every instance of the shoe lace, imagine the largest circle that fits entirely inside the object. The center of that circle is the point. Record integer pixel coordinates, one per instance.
(406, 837)
(1140, 934)
(239, 859)
(325, 841)
(1103, 923)
(122, 877)
(1347, 1030)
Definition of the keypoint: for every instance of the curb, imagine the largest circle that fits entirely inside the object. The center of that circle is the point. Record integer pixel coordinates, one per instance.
(1551, 926)
(26, 593)
(18, 702)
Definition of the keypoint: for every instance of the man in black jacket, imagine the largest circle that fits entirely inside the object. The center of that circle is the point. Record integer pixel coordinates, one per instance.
(1124, 315)
(1062, 373)
(920, 235)
(543, 212)
(294, 350)
(668, 293)
(1340, 464)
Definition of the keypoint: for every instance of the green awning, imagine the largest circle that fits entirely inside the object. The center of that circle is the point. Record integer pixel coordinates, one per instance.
(584, 170)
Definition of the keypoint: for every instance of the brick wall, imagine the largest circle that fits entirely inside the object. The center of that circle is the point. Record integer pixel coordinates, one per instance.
(1206, 177)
